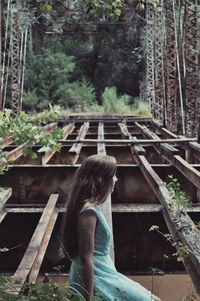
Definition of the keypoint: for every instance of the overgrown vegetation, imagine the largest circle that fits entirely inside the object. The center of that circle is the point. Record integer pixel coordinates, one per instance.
(179, 200)
(27, 128)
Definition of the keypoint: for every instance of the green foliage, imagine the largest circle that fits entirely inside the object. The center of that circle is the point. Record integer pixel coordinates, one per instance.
(107, 9)
(141, 108)
(81, 96)
(47, 79)
(112, 103)
(142, 4)
(43, 292)
(179, 200)
(26, 129)
(182, 250)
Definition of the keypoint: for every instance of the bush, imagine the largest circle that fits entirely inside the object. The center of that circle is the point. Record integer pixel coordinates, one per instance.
(112, 103)
(81, 96)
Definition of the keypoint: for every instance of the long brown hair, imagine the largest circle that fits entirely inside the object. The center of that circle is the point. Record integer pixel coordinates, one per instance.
(92, 182)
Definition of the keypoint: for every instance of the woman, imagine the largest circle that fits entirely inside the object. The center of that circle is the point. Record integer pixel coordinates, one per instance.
(87, 236)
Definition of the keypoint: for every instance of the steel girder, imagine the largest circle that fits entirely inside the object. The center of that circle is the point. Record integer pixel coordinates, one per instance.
(159, 64)
(171, 66)
(15, 60)
(150, 59)
(191, 66)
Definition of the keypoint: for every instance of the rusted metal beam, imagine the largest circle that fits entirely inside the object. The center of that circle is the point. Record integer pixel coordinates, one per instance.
(34, 254)
(182, 228)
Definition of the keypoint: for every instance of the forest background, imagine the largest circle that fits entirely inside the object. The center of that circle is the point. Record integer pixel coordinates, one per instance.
(86, 56)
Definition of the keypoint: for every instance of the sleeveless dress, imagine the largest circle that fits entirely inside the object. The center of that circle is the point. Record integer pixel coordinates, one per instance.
(109, 284)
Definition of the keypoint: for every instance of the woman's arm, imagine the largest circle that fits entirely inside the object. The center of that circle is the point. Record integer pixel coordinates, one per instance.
(86, 230)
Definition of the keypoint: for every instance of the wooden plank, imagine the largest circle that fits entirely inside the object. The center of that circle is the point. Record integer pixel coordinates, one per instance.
(32, 277)
(17, 152)
(49, 153)
(4, 196)
(106, 206)
(33, 250)
(165, 147)
(76, 147)
(117, 207)
(156, 124)
(125, 141)
(6, 141)
(101, 150)
(136, 208)
(126, 134)
(182, 228)
(187, 170)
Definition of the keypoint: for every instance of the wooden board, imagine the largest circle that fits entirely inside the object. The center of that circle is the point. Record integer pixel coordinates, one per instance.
(34, 253)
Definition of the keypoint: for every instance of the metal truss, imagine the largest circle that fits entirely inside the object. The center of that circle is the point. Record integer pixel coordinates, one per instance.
(159, 107)
(191, 67)
(15, 60)
(150, 59)
(171, 66)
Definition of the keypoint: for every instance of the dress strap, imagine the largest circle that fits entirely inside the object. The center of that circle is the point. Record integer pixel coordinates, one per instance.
(87, 208)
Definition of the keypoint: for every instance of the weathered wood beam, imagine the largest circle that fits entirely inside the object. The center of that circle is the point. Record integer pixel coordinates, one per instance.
(68, 129)
(106, 206)
(117, 207)
(125, 141)
(136, 208)
(6, 141)
(172, 156)
(76, 147)
(33, 256)
(32, 277)
(126, 134)
(164, 148)
(182, 228)
(17, 152)
(101, 150)
(4, 196)
(191, 173)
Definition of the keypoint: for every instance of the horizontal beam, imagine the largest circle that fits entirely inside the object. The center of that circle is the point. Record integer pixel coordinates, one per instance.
(116, 207)
(139, 141)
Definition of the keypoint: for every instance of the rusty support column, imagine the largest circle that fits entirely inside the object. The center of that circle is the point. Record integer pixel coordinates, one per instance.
(171, 66)
(191, 67)
(159, 112)
(150, 59)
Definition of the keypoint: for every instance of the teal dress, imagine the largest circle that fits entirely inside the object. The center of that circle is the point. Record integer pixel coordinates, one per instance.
(109, 284)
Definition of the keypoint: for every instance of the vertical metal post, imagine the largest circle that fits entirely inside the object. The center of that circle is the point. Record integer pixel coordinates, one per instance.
(150, 59)
(159, 63)
(15, 60)
(171, 66)
(191, 67)
(1, 61)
